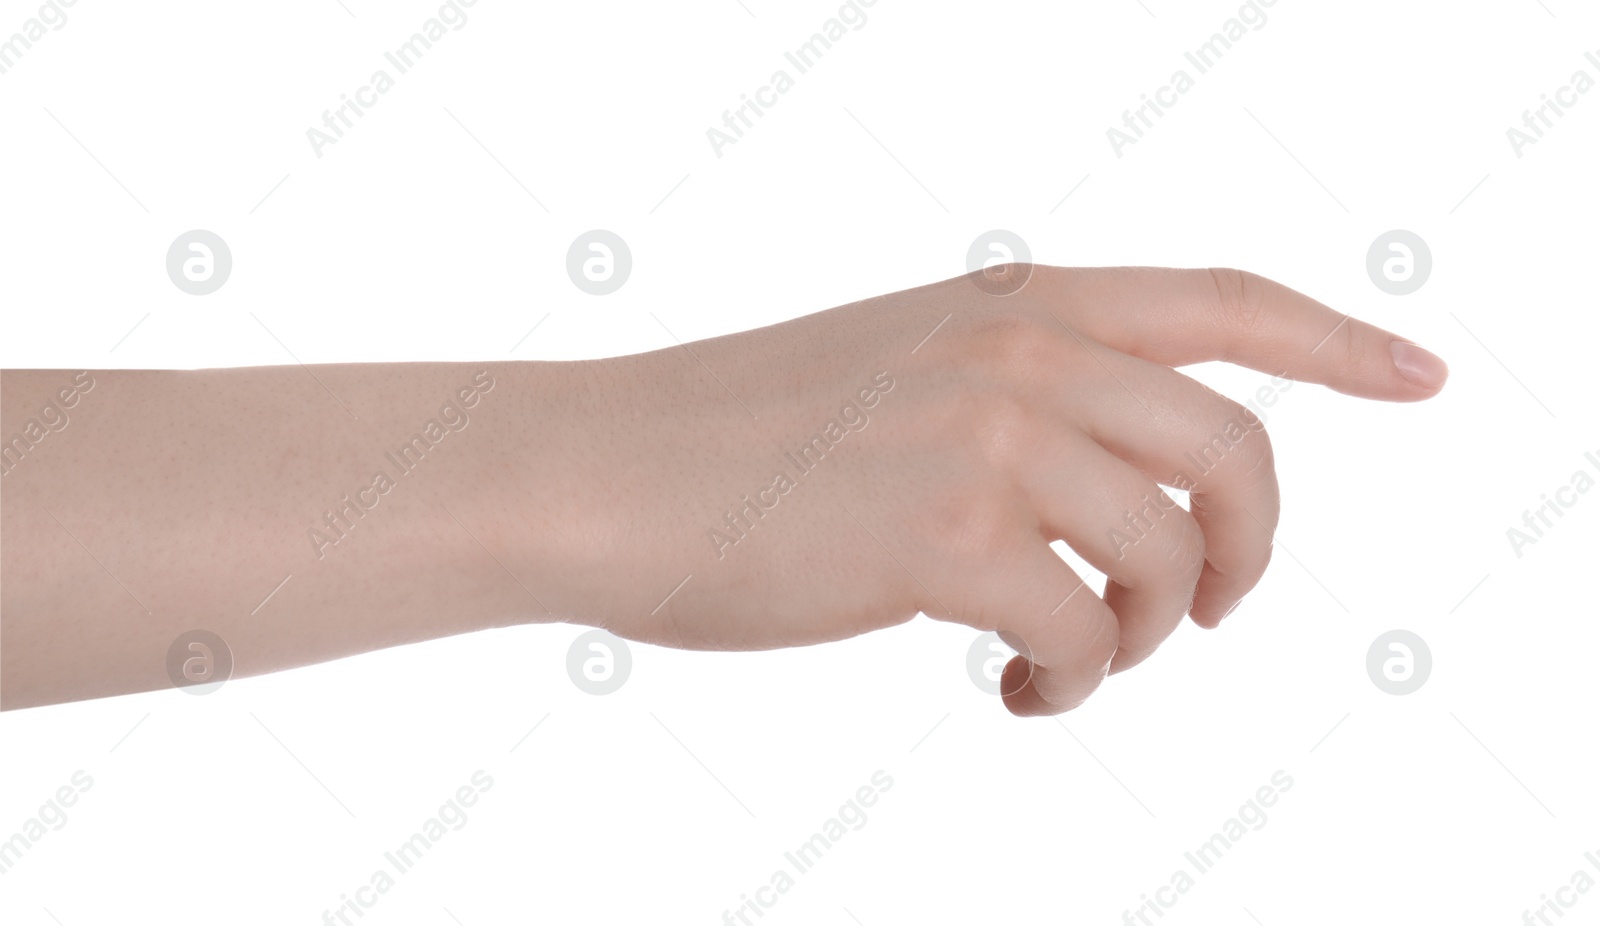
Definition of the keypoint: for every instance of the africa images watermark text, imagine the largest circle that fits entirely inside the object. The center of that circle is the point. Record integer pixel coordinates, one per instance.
(335, 122)
(340, 520)
(742, 518)
(735, 122)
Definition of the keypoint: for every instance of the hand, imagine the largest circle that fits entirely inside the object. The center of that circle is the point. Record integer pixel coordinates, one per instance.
(918, 452)
(806, 482)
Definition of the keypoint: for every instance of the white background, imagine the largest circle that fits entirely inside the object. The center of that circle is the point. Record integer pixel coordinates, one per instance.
(412, 239)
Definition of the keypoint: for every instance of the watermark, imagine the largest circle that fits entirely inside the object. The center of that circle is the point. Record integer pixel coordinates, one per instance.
(1152, 106)
(1198, 463)
(1537, 522)
(199, 262)
(199, 662)
(752, 106)
(1566, 896)
(999, 262)
(1535, 122)
(52, 419)
(1399, 662)
(352, 106)
(50, 16)
(1139, 523)
(452, 816)
(1251, 817)
(1201, 461)
(599, 662)
(987, 658)
(1399, 262)
(339, 521)
(599, 262)
(742, 518)
(52, 816)
(851, 816)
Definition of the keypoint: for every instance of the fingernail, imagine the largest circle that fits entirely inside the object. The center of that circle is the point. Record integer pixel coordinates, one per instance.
(1232, 609)
(1417, 365)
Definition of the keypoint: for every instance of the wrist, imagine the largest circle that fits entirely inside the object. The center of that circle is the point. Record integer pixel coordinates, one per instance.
(542, 470)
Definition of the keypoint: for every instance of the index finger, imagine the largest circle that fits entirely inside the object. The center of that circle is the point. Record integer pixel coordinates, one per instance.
(1178, 317)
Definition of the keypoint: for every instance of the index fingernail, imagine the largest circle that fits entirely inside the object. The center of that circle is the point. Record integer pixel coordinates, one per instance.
(1417, 365)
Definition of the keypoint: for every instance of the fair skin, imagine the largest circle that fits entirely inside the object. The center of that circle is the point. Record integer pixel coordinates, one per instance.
(589, 491)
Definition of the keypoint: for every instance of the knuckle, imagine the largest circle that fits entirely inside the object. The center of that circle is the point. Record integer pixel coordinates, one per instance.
(1240, 298)
(1257, 463)
(1176, 547)
(1005, 431)
(1239, 447)
(1009, 270)
(1100, 644)
(1357, 351)
(1185, 550)
(1016, 346)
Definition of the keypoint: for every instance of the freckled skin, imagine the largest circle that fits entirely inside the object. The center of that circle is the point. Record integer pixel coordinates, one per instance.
(160, 502)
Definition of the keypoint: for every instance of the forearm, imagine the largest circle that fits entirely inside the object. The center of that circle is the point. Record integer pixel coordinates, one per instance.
(365, 505)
